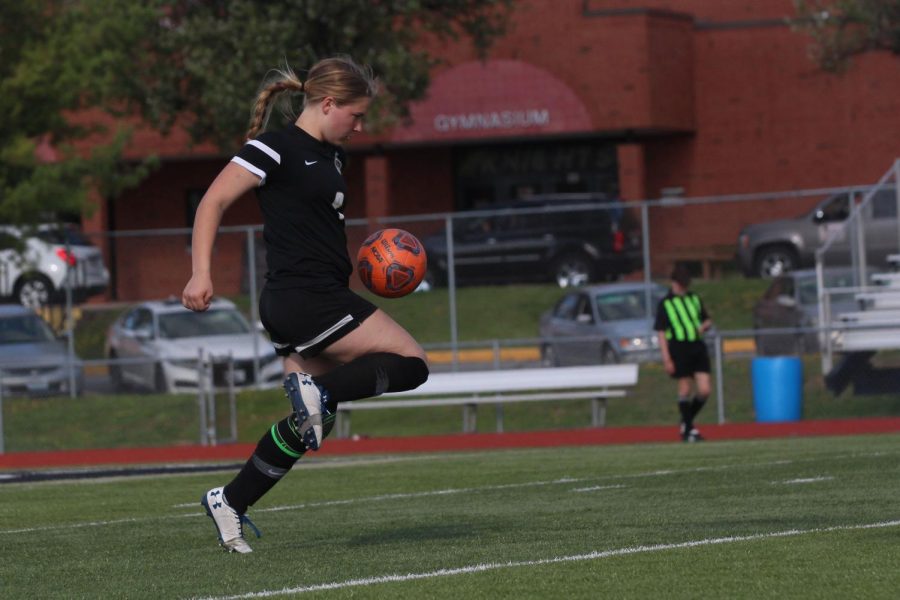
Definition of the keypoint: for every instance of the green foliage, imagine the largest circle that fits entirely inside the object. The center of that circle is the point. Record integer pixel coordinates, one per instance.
(844, 28)
(210, 57)
(198, 63)
(59, 58)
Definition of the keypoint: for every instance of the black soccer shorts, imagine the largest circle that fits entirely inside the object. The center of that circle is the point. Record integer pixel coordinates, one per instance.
(689, 358)
(307, 322)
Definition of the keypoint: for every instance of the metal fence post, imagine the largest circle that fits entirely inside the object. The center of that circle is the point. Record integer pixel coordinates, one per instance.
(645, 249)
(451, 289)
(254, 301)
(720, 385)
(70, 327)
(498, 408)
(212, 425)
(232, 400)
(2, 444)
(201, 398)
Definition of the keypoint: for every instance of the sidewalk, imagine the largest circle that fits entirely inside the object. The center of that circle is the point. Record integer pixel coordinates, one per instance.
(533, 353)
(453, 443)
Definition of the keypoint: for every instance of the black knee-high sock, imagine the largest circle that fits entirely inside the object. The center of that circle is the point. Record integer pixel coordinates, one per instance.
(687, 418)
(372, 375)
(697, 405)
(276, 452)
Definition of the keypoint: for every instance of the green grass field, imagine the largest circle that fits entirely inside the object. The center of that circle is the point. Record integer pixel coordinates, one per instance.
(801, 518)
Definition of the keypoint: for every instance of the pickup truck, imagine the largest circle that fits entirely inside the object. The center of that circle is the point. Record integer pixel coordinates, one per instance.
(775, 247)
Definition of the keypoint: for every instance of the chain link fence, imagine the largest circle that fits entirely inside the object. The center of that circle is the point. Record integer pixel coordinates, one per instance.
(589, 240)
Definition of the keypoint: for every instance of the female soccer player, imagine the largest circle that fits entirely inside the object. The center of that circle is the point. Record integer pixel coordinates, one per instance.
(336, 345)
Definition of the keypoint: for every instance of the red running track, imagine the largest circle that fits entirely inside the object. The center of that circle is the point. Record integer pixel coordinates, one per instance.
(457, 442)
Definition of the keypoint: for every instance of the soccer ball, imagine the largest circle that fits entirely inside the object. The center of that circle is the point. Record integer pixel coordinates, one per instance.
(391, 263)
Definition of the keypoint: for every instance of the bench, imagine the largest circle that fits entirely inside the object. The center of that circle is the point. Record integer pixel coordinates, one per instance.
(469, 389)
(888, 298)
(872, 317)
(878, 330)
(887, 280)
(894, 260)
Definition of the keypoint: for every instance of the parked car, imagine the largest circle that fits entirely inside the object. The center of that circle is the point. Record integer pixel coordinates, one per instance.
(34, 265)
(33, 360)
(602, 324)
(792, 301)
(571, 247)
(775, 247)
(157, 344)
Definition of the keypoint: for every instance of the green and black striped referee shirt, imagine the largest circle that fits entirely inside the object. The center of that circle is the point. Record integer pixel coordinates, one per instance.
(680, 317)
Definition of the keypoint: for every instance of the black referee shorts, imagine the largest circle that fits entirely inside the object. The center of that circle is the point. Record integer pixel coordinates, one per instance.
(689, 358)
(307, 322)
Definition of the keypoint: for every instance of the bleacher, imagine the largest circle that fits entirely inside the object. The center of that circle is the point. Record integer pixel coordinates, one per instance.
(863, 333)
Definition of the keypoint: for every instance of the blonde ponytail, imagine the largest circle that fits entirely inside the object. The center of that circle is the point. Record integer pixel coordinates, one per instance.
(338, 77)
(287, 81)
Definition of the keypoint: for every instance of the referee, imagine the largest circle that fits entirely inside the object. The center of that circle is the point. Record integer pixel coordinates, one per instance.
(681, 321)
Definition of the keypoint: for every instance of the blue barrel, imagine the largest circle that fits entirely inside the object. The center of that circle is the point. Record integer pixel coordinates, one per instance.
(777, 388)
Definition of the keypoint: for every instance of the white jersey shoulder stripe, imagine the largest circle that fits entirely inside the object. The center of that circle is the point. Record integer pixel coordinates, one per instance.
(274, 155)
(253, 169)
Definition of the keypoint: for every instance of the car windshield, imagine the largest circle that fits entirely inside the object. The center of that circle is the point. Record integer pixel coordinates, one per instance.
(27, 329)
(620, 306)
(192, 324)
(806, 288)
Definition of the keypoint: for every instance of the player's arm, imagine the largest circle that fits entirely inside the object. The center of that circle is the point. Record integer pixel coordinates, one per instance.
(664, 351)
(705, 320)
(232, 182)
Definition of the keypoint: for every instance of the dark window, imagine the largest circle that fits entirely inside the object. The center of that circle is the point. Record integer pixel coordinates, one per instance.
(565, 308)
(64, 236)
(884, 205)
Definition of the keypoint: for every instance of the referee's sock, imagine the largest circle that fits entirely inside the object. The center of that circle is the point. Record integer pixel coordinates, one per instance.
(276, 452)
(697, 405)
(687, 416)
(372, 375)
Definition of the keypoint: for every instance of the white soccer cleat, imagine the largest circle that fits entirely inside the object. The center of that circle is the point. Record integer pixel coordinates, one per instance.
(308, 400)
(229, 523)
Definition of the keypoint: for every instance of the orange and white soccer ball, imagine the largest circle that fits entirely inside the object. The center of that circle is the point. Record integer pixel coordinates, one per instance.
(391, 263)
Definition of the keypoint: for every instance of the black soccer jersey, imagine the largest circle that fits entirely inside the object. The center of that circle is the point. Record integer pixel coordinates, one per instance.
(301, 196)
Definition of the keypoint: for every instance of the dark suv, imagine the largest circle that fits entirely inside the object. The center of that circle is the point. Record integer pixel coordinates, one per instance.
(571, 242)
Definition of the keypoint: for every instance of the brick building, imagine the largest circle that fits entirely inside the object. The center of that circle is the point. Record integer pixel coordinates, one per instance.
(619, 96)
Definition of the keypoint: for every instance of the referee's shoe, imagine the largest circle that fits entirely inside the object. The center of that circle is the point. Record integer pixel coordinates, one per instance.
(308, 401)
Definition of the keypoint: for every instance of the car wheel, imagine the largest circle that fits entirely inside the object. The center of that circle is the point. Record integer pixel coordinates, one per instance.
(608, 356)
(33, 291)
(115, 374)
(772, 261)
(549, 357)
(159, 380)
(572, 270)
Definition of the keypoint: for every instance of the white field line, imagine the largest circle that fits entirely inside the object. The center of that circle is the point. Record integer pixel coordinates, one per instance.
(804, 480)
(598, 488)
(199, 513)
(595, 555)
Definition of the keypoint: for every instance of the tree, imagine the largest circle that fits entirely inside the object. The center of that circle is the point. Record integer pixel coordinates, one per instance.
(190, 63)
(842, 29)
(57, 57)
(211, 59)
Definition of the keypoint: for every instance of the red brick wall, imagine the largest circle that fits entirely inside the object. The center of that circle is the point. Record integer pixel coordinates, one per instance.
(156, 266)
(713, 97)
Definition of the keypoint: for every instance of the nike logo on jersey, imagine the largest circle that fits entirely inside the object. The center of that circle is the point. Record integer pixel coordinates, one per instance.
(310, 162)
